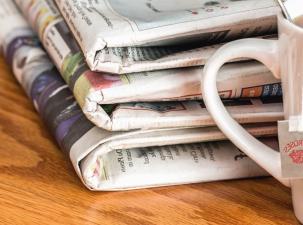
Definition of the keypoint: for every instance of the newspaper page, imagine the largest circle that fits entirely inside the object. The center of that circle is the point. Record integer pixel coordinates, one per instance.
(140, 115)
(92, 90)
(110, 31)
(107, 160)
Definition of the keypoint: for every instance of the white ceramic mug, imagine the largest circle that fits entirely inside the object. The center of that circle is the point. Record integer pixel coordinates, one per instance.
(284, 57)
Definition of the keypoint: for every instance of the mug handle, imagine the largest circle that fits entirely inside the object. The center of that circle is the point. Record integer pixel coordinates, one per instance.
(265, 51)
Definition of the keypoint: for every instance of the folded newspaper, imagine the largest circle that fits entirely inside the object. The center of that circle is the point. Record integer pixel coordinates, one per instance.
(92, 90)
(118, 160)
(110, 31)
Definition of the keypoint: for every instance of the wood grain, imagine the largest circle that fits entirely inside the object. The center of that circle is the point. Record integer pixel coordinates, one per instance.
(38, 185)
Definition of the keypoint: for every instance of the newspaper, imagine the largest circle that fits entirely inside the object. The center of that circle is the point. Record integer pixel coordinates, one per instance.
(129, 116)
(93, 90)
(156, 23)
(107, 160)
(147, 22)
(110, 31)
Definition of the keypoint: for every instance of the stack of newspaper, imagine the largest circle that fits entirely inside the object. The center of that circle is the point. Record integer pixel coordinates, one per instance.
(121, 93)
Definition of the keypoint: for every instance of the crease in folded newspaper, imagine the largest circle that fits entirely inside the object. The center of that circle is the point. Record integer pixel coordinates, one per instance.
(91, 55)
(95, 113)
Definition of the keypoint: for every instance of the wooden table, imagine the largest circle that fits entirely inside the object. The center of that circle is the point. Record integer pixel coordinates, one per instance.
(38, 185)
